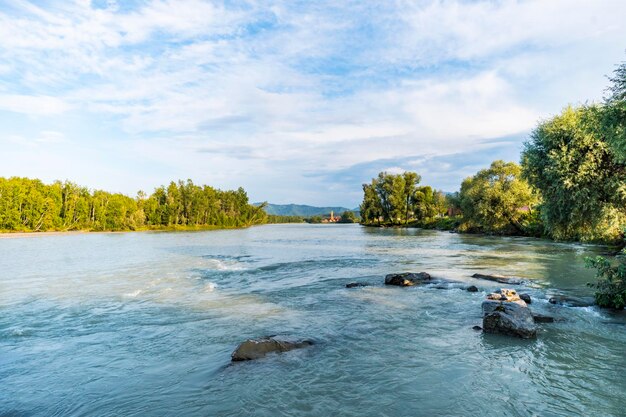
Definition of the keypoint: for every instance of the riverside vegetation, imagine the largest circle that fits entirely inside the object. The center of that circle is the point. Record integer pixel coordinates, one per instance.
(29, 205)
(570, 185)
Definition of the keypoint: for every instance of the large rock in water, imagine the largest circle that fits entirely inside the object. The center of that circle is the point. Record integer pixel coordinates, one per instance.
(505, 313)
(258, 348)
(407, 279)
(500, 278)
(504, 295)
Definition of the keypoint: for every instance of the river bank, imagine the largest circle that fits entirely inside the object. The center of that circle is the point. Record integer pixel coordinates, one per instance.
(6, 234)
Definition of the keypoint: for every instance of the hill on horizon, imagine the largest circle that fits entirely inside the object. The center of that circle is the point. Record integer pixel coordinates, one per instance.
(302, 210)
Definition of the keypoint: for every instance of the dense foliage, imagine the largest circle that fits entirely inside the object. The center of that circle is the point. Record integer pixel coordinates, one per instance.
(30, 205)
(496, 200)
(398, 199)
(275, 219)
(581, 180)
(348, 217)
(613, 113)
(611, 284)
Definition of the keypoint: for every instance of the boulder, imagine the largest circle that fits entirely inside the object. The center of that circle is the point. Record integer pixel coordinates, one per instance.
(499, 278)
(258, 348)
(472, 288)
(407, 279)
(505, 313)
(540, 318)
(504, 295)
(565, 300)
(477, 328)
(526, 298)
(356, 284)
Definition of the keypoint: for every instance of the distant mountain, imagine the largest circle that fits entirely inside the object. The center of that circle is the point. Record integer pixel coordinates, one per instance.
(302, 210)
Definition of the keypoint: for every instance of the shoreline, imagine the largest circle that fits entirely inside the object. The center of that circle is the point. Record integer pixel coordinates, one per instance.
(17, 235)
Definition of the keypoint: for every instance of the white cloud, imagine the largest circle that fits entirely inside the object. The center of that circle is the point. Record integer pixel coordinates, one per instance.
(33, 105)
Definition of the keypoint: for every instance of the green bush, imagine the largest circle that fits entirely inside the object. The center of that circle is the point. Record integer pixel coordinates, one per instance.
(611, 284)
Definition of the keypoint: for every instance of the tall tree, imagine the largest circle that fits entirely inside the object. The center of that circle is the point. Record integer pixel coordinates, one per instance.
(410, 179)
(582, 182)
(496, 199)
(371, 207)
(613, 113)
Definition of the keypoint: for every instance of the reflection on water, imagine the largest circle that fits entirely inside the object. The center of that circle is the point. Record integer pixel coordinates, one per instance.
(144, 324)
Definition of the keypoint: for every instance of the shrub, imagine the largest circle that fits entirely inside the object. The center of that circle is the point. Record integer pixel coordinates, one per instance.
(611, 284)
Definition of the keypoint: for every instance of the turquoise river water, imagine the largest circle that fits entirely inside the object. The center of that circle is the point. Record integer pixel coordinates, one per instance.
(143, 324)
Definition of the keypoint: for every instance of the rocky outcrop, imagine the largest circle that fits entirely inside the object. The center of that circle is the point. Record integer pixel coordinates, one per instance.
(258, 348)
(407, 279)
(505, 313)
(500, 278)
(504, 295)
(356, 284)
(565, 300)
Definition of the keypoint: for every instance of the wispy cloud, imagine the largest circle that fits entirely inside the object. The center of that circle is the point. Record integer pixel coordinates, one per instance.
(270, 95)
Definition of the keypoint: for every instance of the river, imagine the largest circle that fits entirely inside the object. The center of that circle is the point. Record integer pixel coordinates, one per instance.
(142, 324)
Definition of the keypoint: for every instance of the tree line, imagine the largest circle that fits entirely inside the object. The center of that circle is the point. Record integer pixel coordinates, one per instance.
(29, 205)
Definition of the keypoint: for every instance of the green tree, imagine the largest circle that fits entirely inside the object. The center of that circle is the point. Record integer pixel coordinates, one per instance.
(348, 217)
(410, 181)
(371, 207)
(397, 199)
(582, 183)
(440, 203)
(613, 113)
(496, 199)
(423, 203)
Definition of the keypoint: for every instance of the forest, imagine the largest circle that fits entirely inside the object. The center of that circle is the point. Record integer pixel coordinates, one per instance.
(29, 205)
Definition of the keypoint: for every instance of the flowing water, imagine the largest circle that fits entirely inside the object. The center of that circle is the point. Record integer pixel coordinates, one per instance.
(140, 324)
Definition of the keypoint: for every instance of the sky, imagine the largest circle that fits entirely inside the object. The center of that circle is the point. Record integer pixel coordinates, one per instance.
(296, 101)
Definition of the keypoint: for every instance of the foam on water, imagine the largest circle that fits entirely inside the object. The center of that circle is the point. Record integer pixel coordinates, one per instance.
(224, 265)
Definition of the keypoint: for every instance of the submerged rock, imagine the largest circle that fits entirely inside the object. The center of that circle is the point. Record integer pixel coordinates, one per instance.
(356, 284)
(540, 318)
(526, 298)
(565, 300)
(505, 313)
(477, 328)
(407, 279)
(472, 288)
(258, 348)
(499, 278)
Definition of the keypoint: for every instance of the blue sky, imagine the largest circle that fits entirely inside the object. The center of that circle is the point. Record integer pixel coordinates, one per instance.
(296, 101)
